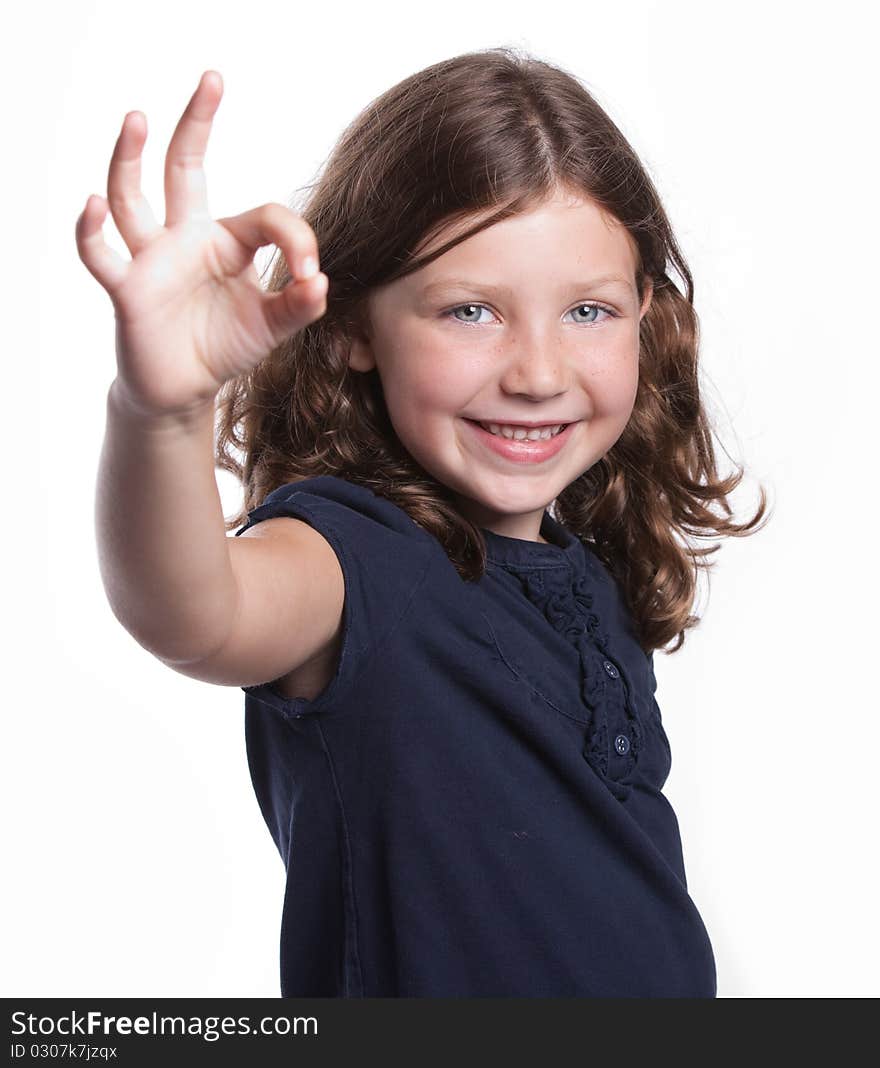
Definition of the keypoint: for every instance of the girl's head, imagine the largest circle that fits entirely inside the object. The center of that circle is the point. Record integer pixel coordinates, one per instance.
(501, 174)
(535, 320)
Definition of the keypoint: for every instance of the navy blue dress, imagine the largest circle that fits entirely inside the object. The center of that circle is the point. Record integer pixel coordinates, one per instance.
(472, 807)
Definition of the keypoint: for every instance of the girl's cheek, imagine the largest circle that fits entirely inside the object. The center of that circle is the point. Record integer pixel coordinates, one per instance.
(438, 384)
(610, 397)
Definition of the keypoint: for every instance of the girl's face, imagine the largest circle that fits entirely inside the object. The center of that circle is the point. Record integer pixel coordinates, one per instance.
(534, 320)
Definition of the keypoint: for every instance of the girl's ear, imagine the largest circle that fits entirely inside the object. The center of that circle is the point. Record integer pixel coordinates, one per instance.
(646, 302)
(360, 354)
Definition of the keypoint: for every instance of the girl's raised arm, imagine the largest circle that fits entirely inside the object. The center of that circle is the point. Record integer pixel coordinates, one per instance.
(190, 314)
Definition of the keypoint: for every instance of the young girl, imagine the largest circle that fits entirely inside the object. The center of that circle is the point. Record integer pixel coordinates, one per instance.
(465, 460)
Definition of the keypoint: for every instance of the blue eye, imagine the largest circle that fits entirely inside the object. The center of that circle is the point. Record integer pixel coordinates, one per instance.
(598, 308)
(460, 306)
(593, 307)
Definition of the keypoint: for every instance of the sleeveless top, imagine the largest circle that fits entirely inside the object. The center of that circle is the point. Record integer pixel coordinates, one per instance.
(472, 806)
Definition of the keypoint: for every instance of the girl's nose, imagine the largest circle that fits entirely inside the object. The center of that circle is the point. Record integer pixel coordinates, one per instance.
(535, 369)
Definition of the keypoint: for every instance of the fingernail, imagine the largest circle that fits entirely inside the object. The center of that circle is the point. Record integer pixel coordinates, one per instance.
(308, 268)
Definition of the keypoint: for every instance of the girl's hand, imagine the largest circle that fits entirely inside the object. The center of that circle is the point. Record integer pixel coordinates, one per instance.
(190, 311)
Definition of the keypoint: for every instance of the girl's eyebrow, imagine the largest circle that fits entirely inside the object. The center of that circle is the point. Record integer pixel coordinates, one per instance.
(605, 281)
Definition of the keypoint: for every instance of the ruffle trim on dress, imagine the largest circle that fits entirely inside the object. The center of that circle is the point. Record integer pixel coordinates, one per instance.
(568, 603)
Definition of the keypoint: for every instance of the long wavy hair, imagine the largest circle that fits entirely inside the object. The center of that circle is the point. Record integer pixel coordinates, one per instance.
(490, 129)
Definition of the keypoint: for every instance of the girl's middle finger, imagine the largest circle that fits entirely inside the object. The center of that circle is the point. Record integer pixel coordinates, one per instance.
(186, 192)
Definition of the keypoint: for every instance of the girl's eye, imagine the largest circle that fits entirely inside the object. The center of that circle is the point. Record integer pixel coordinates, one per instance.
(591, 308)
(469, 307)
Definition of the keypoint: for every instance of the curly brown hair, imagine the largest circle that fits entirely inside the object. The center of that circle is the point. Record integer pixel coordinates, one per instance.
(489, 129)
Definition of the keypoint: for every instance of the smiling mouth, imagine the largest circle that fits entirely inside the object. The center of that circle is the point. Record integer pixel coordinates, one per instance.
(521, 431)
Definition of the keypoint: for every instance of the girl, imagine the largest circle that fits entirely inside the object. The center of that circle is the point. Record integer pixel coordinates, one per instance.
(465, 460)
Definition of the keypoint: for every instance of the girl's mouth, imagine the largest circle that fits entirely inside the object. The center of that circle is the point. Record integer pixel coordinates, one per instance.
(522, 450)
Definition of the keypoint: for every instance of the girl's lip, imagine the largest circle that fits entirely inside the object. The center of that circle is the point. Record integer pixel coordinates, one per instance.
(523, 451)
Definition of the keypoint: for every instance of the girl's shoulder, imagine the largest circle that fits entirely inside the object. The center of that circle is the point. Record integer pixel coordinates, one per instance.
(384, 556)
(383, 553)
(349, 505)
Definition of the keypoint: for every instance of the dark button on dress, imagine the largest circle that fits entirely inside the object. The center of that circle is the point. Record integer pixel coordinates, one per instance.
(472, 807)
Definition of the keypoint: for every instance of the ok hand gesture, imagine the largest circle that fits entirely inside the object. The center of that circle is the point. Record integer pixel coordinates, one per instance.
(190, 311)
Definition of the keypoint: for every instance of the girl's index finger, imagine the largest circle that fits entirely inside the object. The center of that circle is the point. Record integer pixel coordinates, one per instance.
(186, 191)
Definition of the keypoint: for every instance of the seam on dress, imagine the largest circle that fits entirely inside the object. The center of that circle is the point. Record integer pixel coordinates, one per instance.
(352, 974)
(510, 565)
(517, 672)
(352, 970)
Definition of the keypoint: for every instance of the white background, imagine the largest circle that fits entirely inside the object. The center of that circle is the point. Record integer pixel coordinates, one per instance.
(137, 861)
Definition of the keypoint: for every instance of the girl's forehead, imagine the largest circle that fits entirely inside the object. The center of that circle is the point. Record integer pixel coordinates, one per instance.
(558, 201)
(608, 242)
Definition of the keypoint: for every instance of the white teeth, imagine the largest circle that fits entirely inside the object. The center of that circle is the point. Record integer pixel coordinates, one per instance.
(519, 433)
